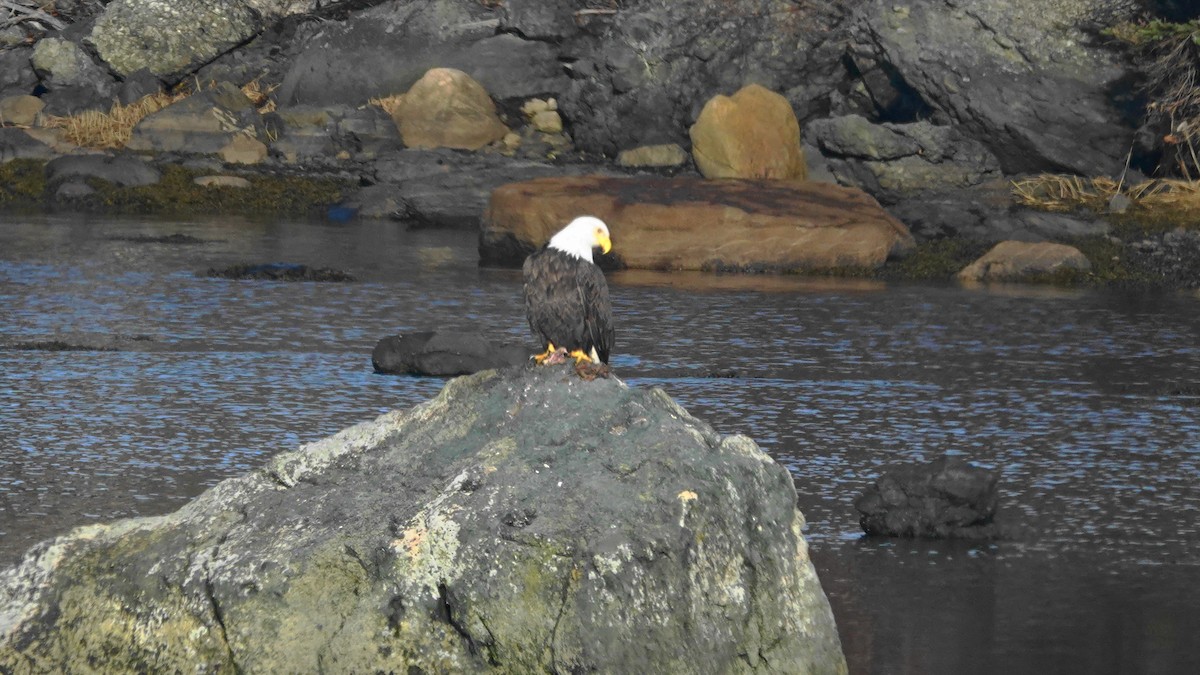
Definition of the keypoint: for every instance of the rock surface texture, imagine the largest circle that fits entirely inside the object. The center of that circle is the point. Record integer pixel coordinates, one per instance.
(1023, 77)
(689, 223)
(443, 352)
(1015, 260)
(945, 498)
(202, 123)
(523, 521)
(446, 108)
(752, 134)
(170, 38)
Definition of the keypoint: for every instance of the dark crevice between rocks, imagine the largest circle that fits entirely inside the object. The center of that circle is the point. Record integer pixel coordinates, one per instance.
(562, 610)
(446, 613)
(219, 617)
(903, 104)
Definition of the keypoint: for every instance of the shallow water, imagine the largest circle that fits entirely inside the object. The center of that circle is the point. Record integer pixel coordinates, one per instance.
(1088, 401)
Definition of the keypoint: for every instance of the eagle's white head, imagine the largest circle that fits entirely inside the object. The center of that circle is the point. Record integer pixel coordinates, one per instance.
(581, 236)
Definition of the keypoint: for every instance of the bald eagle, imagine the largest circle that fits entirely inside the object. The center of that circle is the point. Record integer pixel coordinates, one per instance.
(566, 296)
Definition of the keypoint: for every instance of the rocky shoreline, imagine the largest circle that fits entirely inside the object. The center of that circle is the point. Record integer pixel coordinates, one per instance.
(418, 112)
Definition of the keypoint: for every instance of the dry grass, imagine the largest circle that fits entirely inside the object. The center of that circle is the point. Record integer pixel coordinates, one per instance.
(1168, 54)
(112, 129)
(1174, 200)
(388, 103)
(260, 95)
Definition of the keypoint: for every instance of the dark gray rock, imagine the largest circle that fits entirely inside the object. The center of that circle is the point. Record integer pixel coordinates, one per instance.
(16, 144)
(524, 521)
(120, 170)
(72, 189)
(443, 353)
(72, 80)
(138, 85)
(946, 498)
(17, 76)
(305, 132)
(890, 161)
(202, 123)
(641, 74)
(448, 188)
(384, 50)
(1023, 77)
(1172, 257)
(279, 272)
(986, 213)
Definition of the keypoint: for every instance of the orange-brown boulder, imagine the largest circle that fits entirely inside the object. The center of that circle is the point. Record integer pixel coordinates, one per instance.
(752, 134)
(447, 108)
(688, 223)
(1017, 260)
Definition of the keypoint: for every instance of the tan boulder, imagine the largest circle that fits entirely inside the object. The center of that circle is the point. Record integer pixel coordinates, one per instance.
(243, 149)
(752, 134)
(1016, 260)
(669, 154)
(446, 108)
(20, 110)
(688, 223)
(221, 181)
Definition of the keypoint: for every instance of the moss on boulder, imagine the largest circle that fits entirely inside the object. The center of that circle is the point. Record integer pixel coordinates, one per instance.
(523, 521)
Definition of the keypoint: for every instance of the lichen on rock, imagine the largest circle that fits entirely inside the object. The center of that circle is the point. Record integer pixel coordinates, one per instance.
(523, 521)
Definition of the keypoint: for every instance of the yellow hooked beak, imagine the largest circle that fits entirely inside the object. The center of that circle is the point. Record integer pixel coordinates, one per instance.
(604, 242)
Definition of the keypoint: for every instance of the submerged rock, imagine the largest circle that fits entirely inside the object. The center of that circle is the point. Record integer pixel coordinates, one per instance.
(946, 498)
(279, 272)
(443, 352)
(523, 521)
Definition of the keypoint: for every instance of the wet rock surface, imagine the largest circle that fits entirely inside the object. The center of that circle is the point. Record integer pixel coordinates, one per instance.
(522, 521)
(946, 498)
(279, 272)
(443, 353)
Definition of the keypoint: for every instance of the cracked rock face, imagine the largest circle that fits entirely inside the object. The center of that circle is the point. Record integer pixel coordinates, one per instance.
(166, 37)
(1023, 77)
(522, 521)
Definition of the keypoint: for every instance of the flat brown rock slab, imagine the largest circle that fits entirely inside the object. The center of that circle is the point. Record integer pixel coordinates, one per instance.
(689, 223)
(1017, 260)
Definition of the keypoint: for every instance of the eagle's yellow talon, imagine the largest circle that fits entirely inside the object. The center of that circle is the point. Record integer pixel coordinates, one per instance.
(550, 349)
(580, 356)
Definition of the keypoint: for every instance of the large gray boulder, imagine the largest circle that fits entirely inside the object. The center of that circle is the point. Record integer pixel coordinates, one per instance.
(641, 73)
(170, 38)
(72, 80)
(386, 49)
(1023, 77)
(524, 521)
(202, 123)
(890, 161)
(17, 76)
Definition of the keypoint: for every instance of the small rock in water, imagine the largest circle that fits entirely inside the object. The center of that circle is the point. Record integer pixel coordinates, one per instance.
(279, 272)
(947, 498)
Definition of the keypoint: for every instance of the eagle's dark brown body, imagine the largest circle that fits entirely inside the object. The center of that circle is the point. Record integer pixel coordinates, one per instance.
(567, 303)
